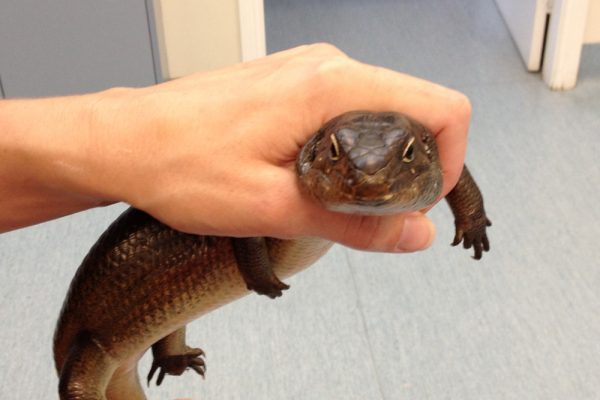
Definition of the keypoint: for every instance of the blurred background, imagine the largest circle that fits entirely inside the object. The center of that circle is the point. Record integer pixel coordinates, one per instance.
(523, 323)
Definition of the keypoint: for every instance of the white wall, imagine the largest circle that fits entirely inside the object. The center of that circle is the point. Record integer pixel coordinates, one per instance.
(526, 20)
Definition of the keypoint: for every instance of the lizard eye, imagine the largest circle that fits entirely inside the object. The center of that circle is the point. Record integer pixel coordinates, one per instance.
(409, 152)
(334, 149)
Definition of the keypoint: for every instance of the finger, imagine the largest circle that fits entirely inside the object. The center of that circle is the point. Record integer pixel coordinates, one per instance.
(406, 232)
(394, 233)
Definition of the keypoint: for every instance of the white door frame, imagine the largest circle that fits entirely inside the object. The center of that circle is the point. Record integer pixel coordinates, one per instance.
(526, 21)
(564, 41)
(555, 30)
(252, 29)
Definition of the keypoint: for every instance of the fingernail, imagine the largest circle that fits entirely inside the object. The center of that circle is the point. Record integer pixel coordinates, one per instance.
(418, 234)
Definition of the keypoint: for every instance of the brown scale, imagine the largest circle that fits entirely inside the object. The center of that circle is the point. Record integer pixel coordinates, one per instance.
(142, 282)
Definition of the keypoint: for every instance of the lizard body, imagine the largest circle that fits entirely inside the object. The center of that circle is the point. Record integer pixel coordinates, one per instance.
(142, 281)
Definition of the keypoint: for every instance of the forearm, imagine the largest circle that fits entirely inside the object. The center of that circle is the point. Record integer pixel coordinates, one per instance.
(45, 152)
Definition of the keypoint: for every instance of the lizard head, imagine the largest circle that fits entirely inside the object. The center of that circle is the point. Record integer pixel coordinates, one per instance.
(371, 163)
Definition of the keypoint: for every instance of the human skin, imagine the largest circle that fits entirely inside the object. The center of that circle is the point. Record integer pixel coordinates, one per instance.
(214, 152)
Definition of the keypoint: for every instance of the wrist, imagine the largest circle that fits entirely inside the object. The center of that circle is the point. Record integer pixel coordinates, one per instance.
(120, 144)
(48, 159)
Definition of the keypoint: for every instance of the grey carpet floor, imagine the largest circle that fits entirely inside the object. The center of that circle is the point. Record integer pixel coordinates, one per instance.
(523, 323)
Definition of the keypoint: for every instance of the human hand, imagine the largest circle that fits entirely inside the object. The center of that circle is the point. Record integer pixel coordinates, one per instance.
(214, 152)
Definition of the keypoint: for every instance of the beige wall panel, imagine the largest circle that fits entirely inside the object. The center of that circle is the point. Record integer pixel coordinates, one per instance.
(198, 35)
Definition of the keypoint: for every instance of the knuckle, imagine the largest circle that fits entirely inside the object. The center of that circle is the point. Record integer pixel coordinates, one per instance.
(324, 77)
(460, 106)
(326, 49)
(332, 68)
(328, 60)
(331, 73)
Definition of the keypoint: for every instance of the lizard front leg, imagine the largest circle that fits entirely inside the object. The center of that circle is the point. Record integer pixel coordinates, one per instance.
(470, 218)
(252, 257)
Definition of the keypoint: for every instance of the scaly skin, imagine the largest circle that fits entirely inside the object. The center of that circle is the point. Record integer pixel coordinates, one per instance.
(142, 282)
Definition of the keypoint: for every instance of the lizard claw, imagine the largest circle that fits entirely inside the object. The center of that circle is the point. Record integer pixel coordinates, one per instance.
(273, 288)
(473, 235)
(177, 365)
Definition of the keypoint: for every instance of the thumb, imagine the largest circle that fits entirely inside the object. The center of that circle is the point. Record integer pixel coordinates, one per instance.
(390, 233)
